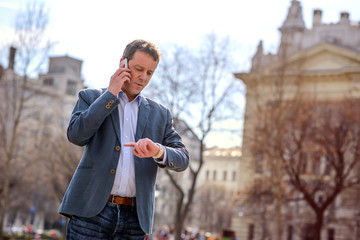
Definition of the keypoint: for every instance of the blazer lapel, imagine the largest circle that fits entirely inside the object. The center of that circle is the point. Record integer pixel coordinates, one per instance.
(116, 122)
(143, 116)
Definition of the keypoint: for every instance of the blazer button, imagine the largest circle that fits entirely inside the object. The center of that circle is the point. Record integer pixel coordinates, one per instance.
(117, 148)
(108, 106)
(112, 171)
(172, 164)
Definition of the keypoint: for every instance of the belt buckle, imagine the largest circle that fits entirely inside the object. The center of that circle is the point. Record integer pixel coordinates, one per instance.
(112, 199)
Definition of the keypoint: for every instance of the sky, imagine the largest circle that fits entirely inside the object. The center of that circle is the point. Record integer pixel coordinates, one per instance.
(96, 32)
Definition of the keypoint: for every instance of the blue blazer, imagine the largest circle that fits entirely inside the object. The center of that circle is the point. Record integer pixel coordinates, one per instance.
(95, 124)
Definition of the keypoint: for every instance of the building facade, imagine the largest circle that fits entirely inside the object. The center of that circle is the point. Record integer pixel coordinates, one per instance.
(44, 106)
(218, 188)
(323, 63)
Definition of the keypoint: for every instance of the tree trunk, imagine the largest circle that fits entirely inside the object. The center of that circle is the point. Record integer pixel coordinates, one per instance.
(278, 216)
(178, 229)
(4, 197)
(318, 225)
(182, 212)
(279, 199)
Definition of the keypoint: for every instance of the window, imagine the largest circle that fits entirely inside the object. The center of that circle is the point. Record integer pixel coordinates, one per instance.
(316, 166)
(57, 69)
(234, 176)
(331, 234)
(329, 159)
(308, 231)
(48, 81)
(71, 88)
(224, 175)
(316, 162)
(320, 199)
(302, 163)
(251, 231)
(259, 163)
(290, 232)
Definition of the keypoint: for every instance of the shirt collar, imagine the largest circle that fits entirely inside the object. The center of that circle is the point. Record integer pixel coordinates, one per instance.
(122, 95)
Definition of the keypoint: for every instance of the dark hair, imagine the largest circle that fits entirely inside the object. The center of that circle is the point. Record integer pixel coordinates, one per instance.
(144, 46)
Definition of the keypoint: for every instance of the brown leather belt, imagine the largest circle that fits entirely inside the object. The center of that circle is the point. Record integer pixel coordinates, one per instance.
(122, 200)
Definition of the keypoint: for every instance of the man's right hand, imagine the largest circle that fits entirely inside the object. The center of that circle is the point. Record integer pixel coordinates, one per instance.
(118, 79)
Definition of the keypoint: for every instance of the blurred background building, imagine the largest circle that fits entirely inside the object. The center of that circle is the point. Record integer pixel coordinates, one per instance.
(218, 186)
(40, 140)
(323, 64)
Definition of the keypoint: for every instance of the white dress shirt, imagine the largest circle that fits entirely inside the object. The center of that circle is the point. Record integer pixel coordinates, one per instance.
(124, 184)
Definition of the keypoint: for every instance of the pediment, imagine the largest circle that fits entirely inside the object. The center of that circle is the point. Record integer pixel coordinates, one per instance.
(324, 57)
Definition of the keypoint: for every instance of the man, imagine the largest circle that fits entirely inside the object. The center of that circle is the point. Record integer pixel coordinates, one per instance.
(126, 138)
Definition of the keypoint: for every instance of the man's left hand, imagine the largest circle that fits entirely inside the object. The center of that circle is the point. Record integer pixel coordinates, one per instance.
(143, 148)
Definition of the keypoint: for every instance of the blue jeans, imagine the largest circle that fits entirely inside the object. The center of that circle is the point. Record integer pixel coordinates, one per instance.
(113, 222)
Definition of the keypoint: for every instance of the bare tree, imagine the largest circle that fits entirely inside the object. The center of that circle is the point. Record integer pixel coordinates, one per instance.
(17, 91)
(64, 160)
(33, 45)
(318, 151)
(199, 89)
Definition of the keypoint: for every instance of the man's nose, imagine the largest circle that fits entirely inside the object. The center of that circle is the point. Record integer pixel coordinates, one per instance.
(144, 76)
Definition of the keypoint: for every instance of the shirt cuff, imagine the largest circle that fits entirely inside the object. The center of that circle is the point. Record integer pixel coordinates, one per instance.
(161, 161)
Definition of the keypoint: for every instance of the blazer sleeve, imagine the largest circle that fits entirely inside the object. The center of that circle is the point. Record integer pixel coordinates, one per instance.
(177, 155)
(89, 113)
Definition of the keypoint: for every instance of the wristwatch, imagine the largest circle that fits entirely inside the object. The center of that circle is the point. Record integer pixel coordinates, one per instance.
(161, 151)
